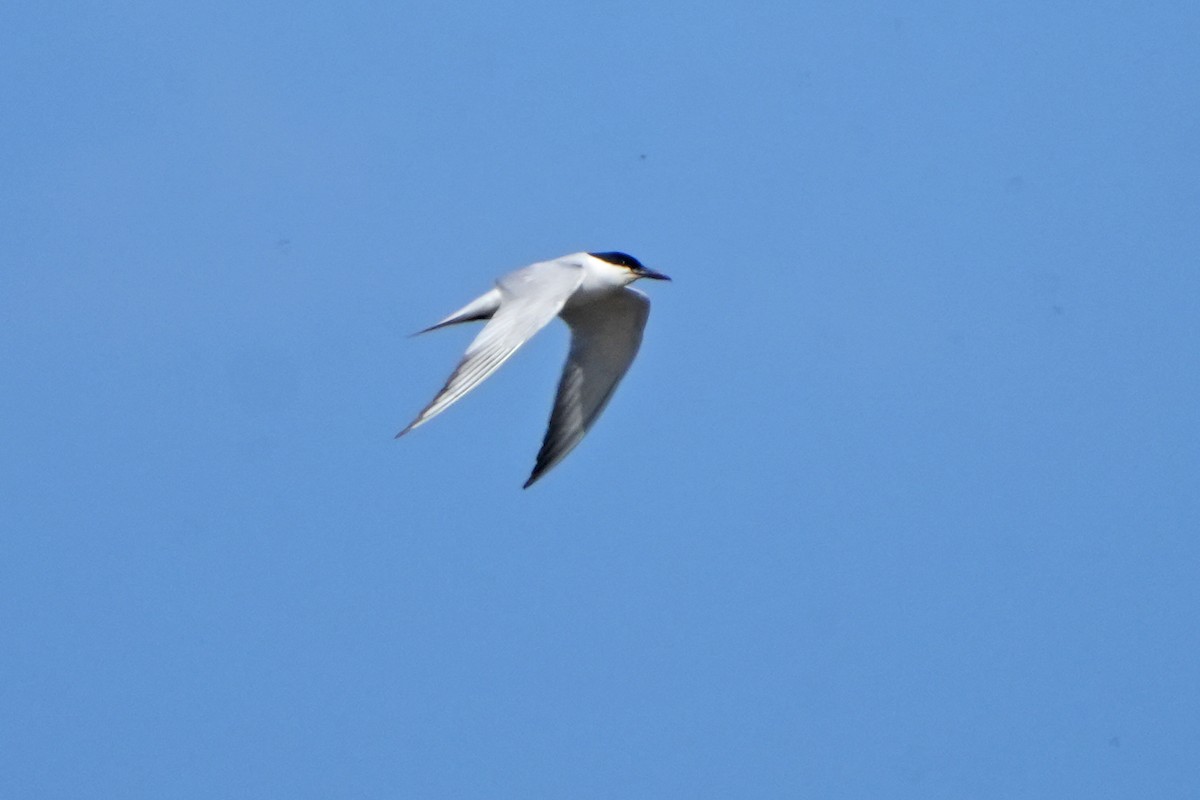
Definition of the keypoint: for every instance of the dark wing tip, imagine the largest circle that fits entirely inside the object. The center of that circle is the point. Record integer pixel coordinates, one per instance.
(538, 471)
(439, 325)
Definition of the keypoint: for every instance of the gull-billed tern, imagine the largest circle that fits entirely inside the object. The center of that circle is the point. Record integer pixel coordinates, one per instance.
(590, 291)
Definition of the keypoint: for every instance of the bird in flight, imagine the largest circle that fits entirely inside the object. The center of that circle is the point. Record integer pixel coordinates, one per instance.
(591, 292)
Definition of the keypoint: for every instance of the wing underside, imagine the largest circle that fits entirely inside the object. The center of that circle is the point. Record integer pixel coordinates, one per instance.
(605, 337)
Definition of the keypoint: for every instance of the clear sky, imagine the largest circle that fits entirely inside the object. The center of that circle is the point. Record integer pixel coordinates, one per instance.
(901, 498)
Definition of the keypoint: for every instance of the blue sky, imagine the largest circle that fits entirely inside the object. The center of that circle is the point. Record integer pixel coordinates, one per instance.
(899, 500)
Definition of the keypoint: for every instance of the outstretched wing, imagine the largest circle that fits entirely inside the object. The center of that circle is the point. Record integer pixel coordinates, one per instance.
(605, 336)
(529, 299)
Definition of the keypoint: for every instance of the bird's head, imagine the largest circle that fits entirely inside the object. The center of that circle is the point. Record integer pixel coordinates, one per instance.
(629, 268)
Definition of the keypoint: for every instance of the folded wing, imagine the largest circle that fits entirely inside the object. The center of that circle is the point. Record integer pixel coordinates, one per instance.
(529, 299)
(605, 336)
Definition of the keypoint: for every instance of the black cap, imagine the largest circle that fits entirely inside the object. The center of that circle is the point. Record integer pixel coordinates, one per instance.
(620, 259)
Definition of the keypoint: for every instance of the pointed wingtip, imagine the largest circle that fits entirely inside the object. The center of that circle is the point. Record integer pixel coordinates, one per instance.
(533, 478)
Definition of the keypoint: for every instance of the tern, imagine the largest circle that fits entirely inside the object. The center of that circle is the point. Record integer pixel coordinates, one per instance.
(591, 292)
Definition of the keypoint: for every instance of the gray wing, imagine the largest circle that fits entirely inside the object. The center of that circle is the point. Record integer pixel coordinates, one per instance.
(529, 299)
(605, 336)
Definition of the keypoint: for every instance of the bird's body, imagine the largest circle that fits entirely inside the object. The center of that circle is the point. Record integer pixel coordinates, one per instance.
(590, 291)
